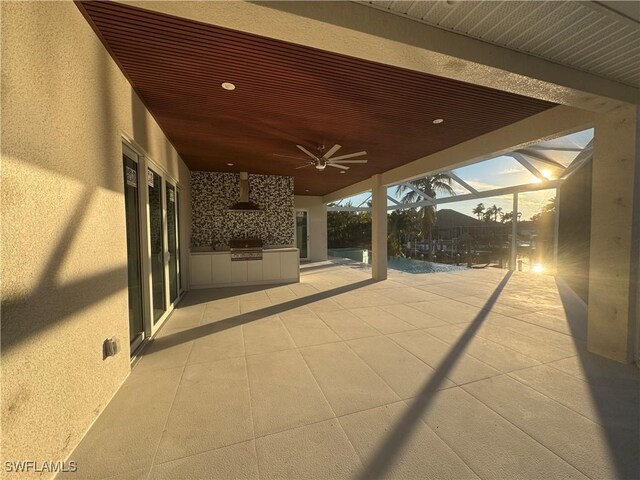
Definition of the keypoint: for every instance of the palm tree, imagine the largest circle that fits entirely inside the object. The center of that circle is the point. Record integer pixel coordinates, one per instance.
(430, 185)
(493, 211)
(479, 210)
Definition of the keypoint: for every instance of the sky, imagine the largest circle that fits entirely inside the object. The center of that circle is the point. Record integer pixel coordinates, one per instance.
(505, 171)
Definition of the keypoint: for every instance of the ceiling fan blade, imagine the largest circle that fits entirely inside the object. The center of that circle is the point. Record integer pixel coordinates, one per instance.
(303, 166)
(307, 152)
(288, 156)
(347, 161)
(335, 165)
(351, 155)
(331, 151)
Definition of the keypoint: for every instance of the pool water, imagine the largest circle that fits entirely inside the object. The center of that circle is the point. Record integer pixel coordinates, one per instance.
(407, 265)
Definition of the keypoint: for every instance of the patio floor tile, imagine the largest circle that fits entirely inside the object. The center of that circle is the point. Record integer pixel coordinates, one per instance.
(349, 384)
(284, 393)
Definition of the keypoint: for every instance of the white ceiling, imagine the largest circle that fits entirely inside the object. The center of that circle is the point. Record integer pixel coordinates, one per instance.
(602, 38)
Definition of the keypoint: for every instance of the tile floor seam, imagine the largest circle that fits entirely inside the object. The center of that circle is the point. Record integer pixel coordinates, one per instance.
(166, 421)
(478, 333)
(374, 372)
(239, 442)
(435, 432)
(465, 352)
(332, 411)
(526, 433)
(490, 341)
(411, 353)
(388, 385)
(555, 401)
(539, 326)
(253, 422)
(175, 394)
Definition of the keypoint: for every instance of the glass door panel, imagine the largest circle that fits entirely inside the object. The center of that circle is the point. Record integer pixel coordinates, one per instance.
(154, 184)
(302, 233)
(132, 214)
(172, 240)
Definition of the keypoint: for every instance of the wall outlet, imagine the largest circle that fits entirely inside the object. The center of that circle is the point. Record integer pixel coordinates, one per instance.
(111, 347)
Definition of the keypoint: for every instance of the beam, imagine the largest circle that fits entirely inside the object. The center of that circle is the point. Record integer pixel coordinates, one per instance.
(523, 161)
(365, 201)
(348, 191)
(348, 209)
(547, 125)
(527, 153)
(554, 149)
(364, 32)
(532, 187)
(393, 200)
(411, 186)
(584, 156)
(461, 182)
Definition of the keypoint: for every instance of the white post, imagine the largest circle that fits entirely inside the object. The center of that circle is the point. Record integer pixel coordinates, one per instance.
(378, 229)
(514, 234)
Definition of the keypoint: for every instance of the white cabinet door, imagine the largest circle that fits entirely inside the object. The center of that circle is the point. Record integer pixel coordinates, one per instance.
(200, 266)
(221, 266)
(271, 266)
(289, 266)
(254, 270)
(239, 271)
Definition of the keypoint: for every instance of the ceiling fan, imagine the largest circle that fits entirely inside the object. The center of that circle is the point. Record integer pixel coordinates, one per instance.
(325, 159)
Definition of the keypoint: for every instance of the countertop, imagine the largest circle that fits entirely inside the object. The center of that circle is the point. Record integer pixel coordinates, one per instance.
(211, 251)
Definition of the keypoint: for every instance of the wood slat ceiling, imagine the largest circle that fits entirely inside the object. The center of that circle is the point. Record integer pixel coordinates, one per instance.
(288, 94)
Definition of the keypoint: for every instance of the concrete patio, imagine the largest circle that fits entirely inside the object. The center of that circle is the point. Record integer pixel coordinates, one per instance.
(477, 373)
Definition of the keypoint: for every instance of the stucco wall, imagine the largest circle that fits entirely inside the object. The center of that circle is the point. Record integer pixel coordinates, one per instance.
(317, 225)
(65, 107)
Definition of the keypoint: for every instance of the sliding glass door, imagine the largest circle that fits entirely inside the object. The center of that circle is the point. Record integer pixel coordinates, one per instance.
(134, 254)
(171, 199)
(157, 253)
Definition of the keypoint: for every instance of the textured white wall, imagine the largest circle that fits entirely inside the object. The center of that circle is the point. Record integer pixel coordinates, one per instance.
(317, 225)
(65, 107)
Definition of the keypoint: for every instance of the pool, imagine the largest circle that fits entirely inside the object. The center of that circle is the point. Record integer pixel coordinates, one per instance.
(407, 265)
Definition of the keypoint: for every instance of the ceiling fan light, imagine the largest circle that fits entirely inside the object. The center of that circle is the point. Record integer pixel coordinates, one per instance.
(320, 166)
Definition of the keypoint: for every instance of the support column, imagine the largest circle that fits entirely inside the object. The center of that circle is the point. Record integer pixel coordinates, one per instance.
(556, 233)
(514, 234)
(613, 271)
(378, 229)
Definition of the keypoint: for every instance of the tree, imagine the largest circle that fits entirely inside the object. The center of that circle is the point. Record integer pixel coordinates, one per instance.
(430, 185)
(493, 211)
(479, 210)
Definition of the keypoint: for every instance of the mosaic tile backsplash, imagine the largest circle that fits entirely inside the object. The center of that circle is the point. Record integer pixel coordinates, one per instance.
(214, 225)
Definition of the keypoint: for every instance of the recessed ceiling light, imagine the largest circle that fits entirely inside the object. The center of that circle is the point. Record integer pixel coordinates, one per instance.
(228, 86)
(306, 190)
(230, 164)
(438, 120)
(342, 171)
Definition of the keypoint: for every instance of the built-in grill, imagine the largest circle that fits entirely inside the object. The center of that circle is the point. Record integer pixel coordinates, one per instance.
(245, 249)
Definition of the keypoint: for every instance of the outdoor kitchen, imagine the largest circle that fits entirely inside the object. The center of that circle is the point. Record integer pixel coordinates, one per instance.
(243, 230)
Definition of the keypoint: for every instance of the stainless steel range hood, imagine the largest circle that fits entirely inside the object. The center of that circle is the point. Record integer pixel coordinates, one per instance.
(244, 205)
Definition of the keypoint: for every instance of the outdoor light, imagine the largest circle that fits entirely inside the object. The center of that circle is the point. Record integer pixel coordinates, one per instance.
(438, 121)
(228, 86)
(230, 164)
(321, 164)
(537, 268)
(342, 172)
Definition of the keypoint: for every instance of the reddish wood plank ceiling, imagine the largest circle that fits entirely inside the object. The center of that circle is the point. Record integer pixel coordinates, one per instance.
(287, 94)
